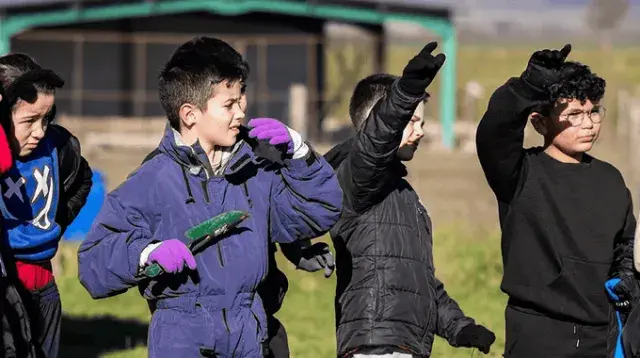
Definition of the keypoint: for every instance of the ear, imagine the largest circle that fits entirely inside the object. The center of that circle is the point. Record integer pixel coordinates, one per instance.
(187, 113)
(539, 122)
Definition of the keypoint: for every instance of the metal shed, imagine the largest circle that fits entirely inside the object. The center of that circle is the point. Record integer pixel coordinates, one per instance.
(110, 51)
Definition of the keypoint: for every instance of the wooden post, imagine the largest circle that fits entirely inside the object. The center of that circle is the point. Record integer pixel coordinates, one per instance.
(298, 109)
(634, 143)
(622, 123)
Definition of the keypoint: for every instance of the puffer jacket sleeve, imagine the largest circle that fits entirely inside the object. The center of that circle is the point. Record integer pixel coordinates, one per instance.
(306, 199)
(108, 259)
(367, 168)
(451, 319)
(75, 173)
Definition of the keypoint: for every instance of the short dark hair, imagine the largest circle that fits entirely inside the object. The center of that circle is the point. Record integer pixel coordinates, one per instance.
(193, 69)
(577, 82)
(366, 94)
(21, 77)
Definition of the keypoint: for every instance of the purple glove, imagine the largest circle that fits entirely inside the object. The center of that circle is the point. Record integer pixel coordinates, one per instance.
(172, 255)
(273, 130)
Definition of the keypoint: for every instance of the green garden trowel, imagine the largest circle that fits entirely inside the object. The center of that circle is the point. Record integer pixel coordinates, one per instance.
(203, 234)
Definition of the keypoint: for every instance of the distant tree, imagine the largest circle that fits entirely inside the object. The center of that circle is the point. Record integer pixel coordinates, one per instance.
(604, 16)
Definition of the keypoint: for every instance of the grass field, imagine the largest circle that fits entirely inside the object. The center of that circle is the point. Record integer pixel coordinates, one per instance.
(469, 266)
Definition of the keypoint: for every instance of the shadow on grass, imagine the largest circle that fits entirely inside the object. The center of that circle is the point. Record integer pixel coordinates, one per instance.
(94, 336)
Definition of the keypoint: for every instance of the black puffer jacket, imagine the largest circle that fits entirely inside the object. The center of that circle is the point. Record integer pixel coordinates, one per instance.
(387, 295)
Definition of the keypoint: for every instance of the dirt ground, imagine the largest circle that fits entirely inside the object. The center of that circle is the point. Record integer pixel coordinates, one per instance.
(451, 184)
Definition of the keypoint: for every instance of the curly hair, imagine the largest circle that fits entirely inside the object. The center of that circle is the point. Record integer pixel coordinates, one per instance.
(577, 82)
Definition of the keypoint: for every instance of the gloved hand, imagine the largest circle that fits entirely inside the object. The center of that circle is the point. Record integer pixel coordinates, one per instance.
(273, 130)
(311, 258)
(420, 71)
(476, 336)
(626, 290)
(172, 255)
(543, 66)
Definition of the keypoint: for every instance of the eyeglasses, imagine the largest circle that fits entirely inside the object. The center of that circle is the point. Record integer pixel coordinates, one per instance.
(576, 118)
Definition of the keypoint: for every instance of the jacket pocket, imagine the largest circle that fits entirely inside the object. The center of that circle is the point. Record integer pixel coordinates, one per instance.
(578, 290)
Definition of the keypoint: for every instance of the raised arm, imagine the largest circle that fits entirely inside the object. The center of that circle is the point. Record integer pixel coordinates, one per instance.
(367, 170)
(500, 134)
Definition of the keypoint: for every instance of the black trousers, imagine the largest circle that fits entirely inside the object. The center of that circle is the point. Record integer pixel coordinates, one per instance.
(530, 335)
(16, 335)
(278, 343)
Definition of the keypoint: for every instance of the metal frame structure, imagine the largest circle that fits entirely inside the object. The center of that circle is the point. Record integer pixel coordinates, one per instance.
(12, 24)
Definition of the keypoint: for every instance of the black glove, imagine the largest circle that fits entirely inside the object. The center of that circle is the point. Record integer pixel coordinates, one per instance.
(628, 292)
(420, 71)
(311, 258)
(475, 336)
(542, 69)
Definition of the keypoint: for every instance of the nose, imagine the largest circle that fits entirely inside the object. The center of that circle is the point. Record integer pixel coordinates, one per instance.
(38, 131)
(587, 123)
(239, 114)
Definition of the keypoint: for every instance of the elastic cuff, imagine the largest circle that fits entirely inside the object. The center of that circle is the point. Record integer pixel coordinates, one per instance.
(304, 162)
(406, 97)
(135, 249)
(144, 256)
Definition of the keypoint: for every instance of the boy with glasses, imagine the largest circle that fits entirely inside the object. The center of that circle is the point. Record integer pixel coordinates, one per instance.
(566, 217)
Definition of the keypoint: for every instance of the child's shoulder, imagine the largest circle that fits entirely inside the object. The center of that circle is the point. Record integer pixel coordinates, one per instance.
(606, 168)
(61, 136)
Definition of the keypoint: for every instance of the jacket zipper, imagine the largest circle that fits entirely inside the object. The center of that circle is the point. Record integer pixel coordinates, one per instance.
(205, 188)
(220, 257)
(224, 319)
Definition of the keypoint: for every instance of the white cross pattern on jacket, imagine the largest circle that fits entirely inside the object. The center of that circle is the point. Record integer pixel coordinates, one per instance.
(41, 179)
(41, 220)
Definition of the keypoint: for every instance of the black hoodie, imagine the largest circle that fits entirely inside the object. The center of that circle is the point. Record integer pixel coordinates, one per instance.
(566, 228)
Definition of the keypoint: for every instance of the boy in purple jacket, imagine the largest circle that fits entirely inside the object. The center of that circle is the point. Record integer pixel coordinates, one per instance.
(208, 163)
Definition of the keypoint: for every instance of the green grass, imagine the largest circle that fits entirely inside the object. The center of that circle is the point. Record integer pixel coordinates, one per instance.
(468, 265)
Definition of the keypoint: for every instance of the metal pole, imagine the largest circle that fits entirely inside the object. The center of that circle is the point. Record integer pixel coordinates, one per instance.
(448, 88)
(5, 38)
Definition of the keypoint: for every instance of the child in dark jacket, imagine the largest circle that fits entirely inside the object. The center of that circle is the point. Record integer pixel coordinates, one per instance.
(41, 194)
(567, 219)
(208, 163)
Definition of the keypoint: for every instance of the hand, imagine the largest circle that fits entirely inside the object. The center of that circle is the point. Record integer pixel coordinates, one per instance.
(273, 130)
(476, 336)
(312, 258)
(543, 66)
(420, 71)
(623, 292)
(317, 257)
(172, 255)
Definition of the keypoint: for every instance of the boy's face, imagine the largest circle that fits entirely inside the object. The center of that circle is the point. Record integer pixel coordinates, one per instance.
(219, 123)
(30, 123)
(575, 125)
(572, 127)
(412, 135)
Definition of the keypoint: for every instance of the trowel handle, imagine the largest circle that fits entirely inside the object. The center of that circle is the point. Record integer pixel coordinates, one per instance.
(153, 270)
